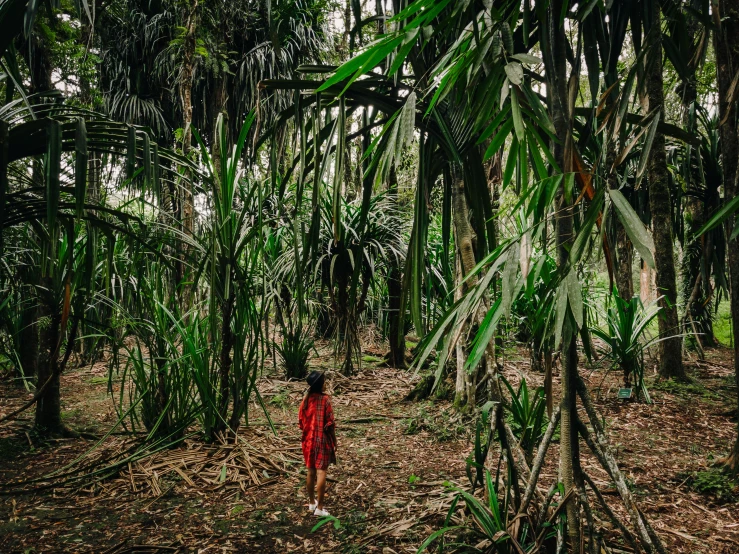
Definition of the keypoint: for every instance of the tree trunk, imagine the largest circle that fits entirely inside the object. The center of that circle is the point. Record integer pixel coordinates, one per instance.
(646, 283)
(464, 237)
(187, 203)
(396, 320)
(698, 251)
(48, 408)
(227, 340)
(671, 361)
(563, 151)
(625, 262)
(624, 248)
(726, 45)
(460, 390)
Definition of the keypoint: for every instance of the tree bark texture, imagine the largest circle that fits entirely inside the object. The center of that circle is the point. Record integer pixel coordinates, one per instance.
(698, 251)
(624, 248)
(464, 237)
(726, 45)
(670, 349)
(226, 361)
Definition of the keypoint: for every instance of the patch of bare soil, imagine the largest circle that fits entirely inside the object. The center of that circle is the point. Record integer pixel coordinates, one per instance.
(387, 489)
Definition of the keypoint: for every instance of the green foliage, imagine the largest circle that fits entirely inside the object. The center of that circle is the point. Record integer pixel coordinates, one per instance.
(533, 310)
(483, 440)
(488, 518)
(715, 482)
(156, 371)
(625, 337)
(294, 351)
(527, 415)
(325, 520)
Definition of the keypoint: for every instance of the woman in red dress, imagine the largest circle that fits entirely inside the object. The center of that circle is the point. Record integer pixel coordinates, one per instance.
(316, 420)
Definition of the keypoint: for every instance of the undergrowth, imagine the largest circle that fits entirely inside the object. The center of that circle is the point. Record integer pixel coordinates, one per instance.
(714, 482)
(686, 390)
(442, 426)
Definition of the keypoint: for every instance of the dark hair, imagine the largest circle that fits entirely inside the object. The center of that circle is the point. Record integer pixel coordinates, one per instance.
(315, 381)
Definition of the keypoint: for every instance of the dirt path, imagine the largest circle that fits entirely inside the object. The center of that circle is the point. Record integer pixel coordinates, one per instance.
(387, 489)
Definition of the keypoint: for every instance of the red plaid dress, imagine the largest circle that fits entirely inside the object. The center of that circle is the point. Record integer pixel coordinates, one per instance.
(316, 420)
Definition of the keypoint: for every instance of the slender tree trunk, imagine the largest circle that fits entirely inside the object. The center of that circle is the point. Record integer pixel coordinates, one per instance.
(227, 340)
(48, 408)
(38, 56)
(347, 29)
(698, 251)
(460, 390)
(396, 320)
(625, 263)
(187, 203)
(671, 361)
(563, 153)
(726, 45)
(464, 237)
(218, 105)
(624, 248)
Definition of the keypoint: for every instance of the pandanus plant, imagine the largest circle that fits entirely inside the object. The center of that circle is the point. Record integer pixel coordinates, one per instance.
(345, 249)
(231, 268)
(57, 210)
(625, 338)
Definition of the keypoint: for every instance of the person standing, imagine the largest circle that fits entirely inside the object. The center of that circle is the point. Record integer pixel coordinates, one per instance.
(316, 420)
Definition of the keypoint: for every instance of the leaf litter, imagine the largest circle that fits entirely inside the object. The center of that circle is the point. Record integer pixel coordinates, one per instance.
(247, 496)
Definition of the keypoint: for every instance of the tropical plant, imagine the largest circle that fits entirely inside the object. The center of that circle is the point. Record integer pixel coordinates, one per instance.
(528, 416)
(626, 338)
(156, 371)
(294, 350)
(231, 266)
(489, 521)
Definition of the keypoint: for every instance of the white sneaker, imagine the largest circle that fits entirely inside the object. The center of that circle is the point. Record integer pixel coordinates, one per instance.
(312, 507)
(321, 513)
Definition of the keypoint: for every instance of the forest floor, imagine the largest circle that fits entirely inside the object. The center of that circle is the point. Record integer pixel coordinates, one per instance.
(388, 488)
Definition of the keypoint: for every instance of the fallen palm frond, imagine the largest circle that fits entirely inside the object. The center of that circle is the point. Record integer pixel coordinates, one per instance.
(253, 460)
(150, 470)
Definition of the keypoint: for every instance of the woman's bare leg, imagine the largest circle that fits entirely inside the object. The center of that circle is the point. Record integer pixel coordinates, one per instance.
(310, 485)
(321, 486)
